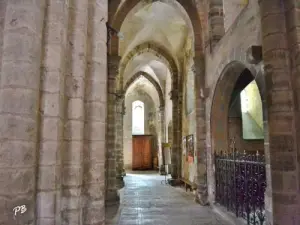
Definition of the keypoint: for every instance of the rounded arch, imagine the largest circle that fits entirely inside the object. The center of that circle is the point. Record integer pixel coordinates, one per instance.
(151, 80)
(218, 138)
(158, 51)
(221, 101)
(120, 15)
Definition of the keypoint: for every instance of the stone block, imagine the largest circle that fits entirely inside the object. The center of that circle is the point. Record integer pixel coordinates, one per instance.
(22, 75)
(17, 181)
(95, 191)
(54, 31)
(75, 86)
(71, 202)
(70, 217)
(94, 172)
(73, 153)
(74, 130)
(46, 204)
(50, 105)
(95, 111)
(95, 151)
(96, 91)
(19, 101)
(16, 127)
(51, 128)
(26, 218)
(47, 178)
(45, 221)
(93, 216)
(52, 57)
(21, 45)
(72, 175)
(24, 17)
(48, 153)
(17, 153)
(76, 108)
(40, 4)
(96, 132)
(97, 71)
(51, 81)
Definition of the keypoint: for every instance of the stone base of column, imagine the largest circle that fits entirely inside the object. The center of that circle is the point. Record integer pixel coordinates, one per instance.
(112, 198)
(162, 170)
(120, 182)
(174, 174)
(202, 195)
(123, 173)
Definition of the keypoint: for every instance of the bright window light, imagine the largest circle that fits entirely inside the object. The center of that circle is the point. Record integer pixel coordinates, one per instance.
(138, 118)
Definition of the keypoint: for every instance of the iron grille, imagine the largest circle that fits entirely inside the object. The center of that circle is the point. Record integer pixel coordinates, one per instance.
(241, 185)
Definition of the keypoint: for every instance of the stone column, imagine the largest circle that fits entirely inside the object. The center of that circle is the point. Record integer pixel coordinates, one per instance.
(119, 142)
(162, 169)
(72, 171)
(176, 155)
(94, 151)
(201, 176)
(215, 23)
(52, 114)
(111, 188)
(281, 198)
(19, 108)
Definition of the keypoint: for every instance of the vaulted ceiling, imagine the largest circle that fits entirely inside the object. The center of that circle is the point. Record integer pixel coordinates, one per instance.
(163, 22)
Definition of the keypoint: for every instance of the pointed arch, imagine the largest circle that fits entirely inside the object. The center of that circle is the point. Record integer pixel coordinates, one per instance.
(151, 80)
(119, 16)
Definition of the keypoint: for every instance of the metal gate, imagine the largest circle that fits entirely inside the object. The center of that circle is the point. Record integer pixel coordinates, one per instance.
(241, 185)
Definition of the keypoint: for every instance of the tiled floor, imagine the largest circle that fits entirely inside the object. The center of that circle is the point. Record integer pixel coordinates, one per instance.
(145, 201)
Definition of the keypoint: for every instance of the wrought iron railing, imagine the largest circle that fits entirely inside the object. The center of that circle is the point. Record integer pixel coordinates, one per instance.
(241, 184)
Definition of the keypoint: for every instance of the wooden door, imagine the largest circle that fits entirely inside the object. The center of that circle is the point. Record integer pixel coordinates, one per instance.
(141, 152)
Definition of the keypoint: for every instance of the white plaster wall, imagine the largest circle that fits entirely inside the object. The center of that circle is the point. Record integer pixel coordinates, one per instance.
(149, 106)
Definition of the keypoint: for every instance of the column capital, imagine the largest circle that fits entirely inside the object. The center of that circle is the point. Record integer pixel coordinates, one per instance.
(162, 108)
(174, 95)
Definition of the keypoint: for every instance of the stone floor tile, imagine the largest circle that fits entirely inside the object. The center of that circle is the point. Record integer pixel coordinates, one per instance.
(145, 201)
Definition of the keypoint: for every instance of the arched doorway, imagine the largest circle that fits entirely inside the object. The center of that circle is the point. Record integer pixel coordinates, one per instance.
(238, 130)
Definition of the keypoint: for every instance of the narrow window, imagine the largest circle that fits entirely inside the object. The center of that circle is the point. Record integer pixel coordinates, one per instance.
(138, 116)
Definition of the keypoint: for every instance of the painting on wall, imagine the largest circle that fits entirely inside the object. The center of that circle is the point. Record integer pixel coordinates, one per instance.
(184, 146)
(190, 148)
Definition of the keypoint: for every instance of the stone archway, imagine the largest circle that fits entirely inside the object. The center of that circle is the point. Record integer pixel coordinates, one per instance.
(116, 18)
(176, 93)
(219, 116)
(157, 50)
(151, 80)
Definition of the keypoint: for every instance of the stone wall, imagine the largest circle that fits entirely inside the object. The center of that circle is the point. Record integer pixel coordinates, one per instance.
(231, 9)
(52, 111)
(243, 33)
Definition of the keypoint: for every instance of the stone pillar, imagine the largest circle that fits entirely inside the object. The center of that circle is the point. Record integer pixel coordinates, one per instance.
(119, 142)
(72, 172)
(162, 169)
(176, 154)
(122, 144)
(215, 23)
(52, 114)
(94, 151)
(111, 188)
(282, 194)
(19, 108)
(201, 176)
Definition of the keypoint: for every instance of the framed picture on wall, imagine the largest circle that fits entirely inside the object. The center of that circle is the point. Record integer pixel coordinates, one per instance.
(184, 153)
(190, 148)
